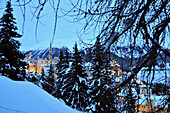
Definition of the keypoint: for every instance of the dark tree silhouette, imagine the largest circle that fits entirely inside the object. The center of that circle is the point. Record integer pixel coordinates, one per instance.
(11, 59)
(61, 68)
(51, 80)
(102, 96)
(75, 85)
(49, 83)
(43, 76)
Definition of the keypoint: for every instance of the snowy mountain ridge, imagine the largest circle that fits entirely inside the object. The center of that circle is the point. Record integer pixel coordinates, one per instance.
(119, 57)
(44, 53)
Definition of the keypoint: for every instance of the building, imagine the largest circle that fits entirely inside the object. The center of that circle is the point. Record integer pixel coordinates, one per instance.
(149, 106)
(146, 101)
(36, 65)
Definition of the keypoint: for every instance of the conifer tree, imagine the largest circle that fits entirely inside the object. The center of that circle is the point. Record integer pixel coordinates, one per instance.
(60, 75)
(62, 67)
(42, 78)
(42, 75)
(61, 59)
(66, 59)
(51, 80)
(101, 96)
(11, 59)
(49, 83)
(62, 70)
(75, 85)
(33, 78)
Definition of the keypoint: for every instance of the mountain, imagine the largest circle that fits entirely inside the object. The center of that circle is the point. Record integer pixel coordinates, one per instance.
(44, 53)
(121, 57)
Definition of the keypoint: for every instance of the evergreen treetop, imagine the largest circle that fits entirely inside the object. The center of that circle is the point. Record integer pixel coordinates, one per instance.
(62, 67)
(11, 59)
(75, 85)
(101, 96)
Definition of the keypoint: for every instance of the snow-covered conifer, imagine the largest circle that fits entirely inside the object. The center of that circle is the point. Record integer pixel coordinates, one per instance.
(49, 83)
(62, 70)
(101, 96)
(60, 75)
(75, 85)
(11, 59)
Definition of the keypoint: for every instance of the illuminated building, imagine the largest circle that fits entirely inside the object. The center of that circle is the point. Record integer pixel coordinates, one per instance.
(36, 65)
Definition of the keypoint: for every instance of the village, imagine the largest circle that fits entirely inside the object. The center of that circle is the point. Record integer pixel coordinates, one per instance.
(84, 56)
(146, 101)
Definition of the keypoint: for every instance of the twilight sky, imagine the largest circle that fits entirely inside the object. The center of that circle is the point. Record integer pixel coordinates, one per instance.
(66, 33)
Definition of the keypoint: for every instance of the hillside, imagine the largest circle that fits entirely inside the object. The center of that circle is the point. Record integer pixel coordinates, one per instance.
(28, 98)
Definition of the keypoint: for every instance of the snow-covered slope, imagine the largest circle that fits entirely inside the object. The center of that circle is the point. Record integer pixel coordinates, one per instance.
(29, 98)
(44, 53)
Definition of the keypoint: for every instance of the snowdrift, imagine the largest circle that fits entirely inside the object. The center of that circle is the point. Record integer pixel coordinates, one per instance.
(25, 97)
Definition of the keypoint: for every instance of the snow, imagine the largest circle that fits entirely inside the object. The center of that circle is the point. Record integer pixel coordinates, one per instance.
(29, 98)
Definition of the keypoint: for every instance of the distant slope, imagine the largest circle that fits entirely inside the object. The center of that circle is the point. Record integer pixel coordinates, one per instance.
(27, 97)
(124, 60)
(44, 53)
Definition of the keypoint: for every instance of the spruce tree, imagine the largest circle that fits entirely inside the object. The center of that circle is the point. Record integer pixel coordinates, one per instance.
(51, 80)
(60, 75)
(101, 96)
(11, 59)
(61, 59)
(49, 83)
(75, 85)
(42, 78)
(62, 68)
(66, 59)
(33, 78)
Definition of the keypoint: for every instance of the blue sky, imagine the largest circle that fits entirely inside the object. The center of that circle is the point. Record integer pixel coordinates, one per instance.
(66, 33)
